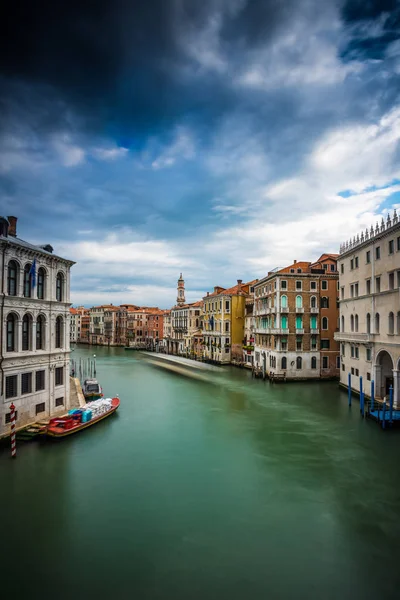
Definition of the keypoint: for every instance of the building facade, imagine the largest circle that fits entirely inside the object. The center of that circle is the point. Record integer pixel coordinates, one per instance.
(35, 329)
(369, 336)
(296, 311)
(249, 332)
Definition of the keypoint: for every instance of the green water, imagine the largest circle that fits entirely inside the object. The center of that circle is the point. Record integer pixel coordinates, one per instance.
(196, 491)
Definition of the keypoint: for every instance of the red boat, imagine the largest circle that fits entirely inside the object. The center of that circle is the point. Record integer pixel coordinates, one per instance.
(72, 423)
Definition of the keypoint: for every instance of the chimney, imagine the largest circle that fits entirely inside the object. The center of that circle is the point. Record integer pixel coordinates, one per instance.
(12, 230)
(208, 293)
(239, 281)
(294, 262)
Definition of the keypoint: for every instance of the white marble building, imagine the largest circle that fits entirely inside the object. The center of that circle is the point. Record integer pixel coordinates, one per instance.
(369, 336)
(35, 332)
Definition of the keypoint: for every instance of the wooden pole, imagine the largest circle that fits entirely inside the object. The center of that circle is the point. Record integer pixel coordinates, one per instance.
(13, 437)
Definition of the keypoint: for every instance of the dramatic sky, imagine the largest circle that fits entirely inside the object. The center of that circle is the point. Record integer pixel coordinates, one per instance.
(220, 138)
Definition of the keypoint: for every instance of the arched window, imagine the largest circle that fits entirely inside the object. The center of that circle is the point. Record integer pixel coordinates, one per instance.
(325, 323)
(40, 283)
(59, 332)
(40, 332)
(27, 281)
(60, 287)
(313, 362)
(376, 323)
(313, 302)
(26, 332)
(12, 278)
(283, 362)
(324, 302)
(398, 323)
(356, 323)
(11, 333)
(368, 323)
(299, 302)
(299, 362)
(342, 323)
(284, 301)
(352, 322)
(391, 322)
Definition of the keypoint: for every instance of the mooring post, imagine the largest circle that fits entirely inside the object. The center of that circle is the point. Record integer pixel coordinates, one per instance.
(384, 414)
(361, 397)
(349, 388)
(391, 404)
(372, 394)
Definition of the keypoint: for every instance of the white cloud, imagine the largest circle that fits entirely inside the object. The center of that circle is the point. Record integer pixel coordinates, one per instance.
(109, 153)
(182, 147)
(69, 153)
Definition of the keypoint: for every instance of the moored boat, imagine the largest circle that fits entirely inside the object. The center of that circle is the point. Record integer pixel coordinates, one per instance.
(91, 389)
(81, 418)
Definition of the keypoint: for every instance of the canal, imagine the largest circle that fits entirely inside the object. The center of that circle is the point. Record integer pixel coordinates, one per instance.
(195, 490)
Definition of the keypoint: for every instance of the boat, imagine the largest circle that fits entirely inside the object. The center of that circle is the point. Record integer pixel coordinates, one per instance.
(81, 418)
(91, 389)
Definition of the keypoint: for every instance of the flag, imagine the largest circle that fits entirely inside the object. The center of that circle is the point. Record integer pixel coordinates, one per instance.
(32, 273)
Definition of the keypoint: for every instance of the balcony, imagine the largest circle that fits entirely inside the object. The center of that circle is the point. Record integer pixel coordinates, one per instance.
(314, 310)
(342, 336)
(284, 309)
(314, 331)
(299, 309)
(299, 331)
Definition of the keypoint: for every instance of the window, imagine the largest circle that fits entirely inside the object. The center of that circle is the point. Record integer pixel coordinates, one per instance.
(391, 281)
(338, 362)
(27, 281)
(377, 323)
(342, 293)
(299, 362)
(391, 324)
(324, 285)
(11, 333)
(325, 323)
(59, 287)
(391, 246)
(368, 323)
(324, 302)
(39, 408)
(11, 386)
(299, 343)
(284, 301)
(377, 285)
(298, 285)
(377, 252)
(40, 283)
(325, 344)
(368, 354)
(352, 264)
(59, 331)
(342, 328)
(226, 340)
(313, 285)
(356, 352)
(398, 323)
(283, 344)
(226, 326)
(325, 362)
(299, 302)
(26, 383)
(356, 290)
(313, 362)
(356, 323)
(59, 401)
(40, 380)
(356, 372)
(343, 367)
(284, 363)
(352, 370)
(368, 286)
(299, 322)
(342, 268)
(356, 262)
(284, 322)
(26, 332)
(343, 347)
(313, 322)
(8, 417)
(368, 376)
(292, 270)
(352, 353)
(12, 278)
(59, 379)
(313, 302)
(284, 285)
(351, 322)
(313, 342)
(352, 291)
(227, 305)
(368, 257)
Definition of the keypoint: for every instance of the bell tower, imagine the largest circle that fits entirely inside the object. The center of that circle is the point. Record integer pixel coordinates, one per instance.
(180, 300)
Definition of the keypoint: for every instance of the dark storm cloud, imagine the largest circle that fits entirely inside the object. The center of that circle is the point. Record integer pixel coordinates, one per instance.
(373, 26)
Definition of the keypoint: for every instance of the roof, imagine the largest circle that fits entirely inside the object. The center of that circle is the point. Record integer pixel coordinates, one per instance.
(233, 291)
(16, 241)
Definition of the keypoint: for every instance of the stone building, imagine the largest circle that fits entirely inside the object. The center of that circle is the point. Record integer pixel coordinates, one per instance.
(224, 321)
(35, 331)
(296, 310)
(369, 336)
(249, 332)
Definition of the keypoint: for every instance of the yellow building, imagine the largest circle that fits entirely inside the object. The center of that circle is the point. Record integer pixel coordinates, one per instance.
(223, 322)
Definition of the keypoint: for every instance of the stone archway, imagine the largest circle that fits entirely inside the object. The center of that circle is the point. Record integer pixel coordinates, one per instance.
(383, 374)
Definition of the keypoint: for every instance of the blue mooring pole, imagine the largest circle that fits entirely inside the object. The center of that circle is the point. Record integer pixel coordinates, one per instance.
(391, 404)
(349, 388)
(361, 397)
(372, 394)
(384, 414)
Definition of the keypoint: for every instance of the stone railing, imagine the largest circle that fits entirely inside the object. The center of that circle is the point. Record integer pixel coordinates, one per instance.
(370, 233)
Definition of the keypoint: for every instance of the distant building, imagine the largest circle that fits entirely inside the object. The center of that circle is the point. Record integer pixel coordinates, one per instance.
(296, 310)
(249, 331)
(35, 321)
(369, 272)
